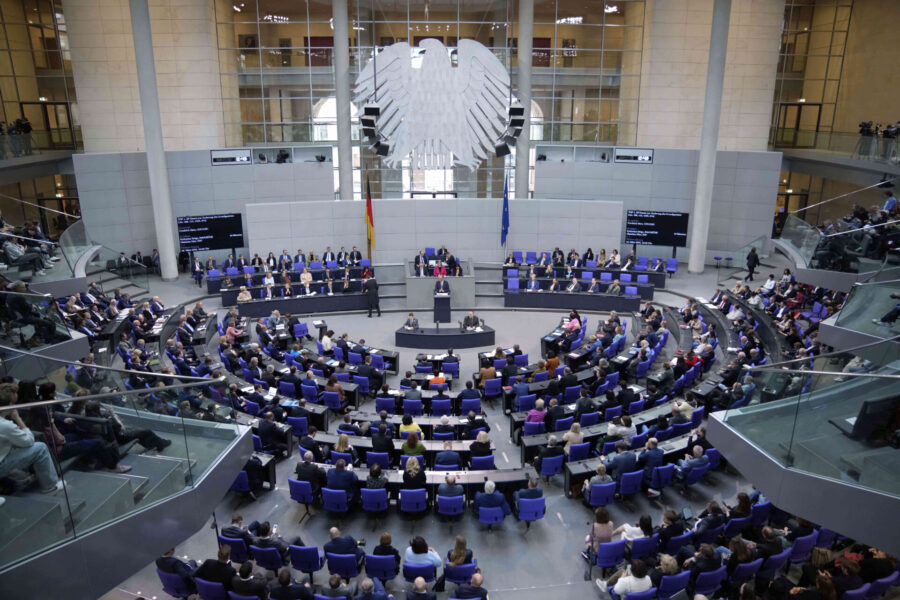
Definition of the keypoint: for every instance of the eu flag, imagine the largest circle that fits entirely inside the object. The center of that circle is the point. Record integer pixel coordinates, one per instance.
(504, 223)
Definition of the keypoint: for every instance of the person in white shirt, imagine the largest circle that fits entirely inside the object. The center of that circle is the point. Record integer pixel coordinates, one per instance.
(19, 450)
(630, 532)
(327, 344)
(629, 581)
(769, 286)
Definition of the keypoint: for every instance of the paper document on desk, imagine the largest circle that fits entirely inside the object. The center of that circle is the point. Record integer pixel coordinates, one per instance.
(479, 329)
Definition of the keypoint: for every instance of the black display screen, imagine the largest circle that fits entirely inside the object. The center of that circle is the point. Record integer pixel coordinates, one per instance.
(656, 228)
(210, 232)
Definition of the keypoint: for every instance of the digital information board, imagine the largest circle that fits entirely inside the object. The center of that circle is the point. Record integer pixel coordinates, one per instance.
(656, 228)
(210, 232)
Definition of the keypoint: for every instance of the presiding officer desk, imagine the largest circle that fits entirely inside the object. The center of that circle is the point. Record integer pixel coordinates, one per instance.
(568, 300)
(446, 337)
(507, 480)
(578, 471)
(214, 284)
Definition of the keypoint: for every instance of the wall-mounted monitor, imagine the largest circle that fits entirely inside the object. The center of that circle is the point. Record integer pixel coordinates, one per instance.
(210, 232)
(656, 228)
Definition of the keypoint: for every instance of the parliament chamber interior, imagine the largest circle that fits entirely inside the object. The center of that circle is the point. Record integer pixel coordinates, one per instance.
(448, 299)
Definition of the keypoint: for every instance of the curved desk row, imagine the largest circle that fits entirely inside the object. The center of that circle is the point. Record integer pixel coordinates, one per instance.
(301, 305)
(644, 290)
(658, 279)
(569, 300)
(449, 337)
(214, 284)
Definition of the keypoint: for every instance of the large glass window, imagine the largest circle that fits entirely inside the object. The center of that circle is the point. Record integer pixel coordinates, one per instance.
(37, 94)
(278, 76)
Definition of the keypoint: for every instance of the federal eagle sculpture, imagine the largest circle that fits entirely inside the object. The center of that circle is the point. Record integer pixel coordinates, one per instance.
(443, 115)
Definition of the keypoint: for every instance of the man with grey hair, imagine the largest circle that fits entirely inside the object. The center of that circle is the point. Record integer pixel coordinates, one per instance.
(549, 451)
(450, 488)
(370, 589)
(491, 498)
(308, 471)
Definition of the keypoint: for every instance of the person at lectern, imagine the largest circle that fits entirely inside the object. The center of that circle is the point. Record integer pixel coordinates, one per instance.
(441, 286)
(471, 321)
(411, 322)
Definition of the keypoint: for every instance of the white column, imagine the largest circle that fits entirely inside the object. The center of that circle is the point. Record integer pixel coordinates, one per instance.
(342, 97)
(709, 135)
(153, 140)
(523, 92)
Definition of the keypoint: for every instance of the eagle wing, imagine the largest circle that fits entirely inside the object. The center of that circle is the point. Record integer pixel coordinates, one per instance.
(388, 85)
(482, 88)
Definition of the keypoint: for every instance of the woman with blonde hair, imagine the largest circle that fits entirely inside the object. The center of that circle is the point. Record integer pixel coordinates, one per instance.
(244, 295)
(343, 445)
(666, 565)
(572, 436)
(413, 476)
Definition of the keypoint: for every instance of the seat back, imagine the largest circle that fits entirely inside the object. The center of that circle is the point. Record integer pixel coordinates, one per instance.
(334, 500)
(602, 494)
(588, 419)
(412, 406)
(610, 554)
(512, 284)
(470, 404)
(564, 424)
(735, 526)
(301, 491)
(378, 458)
(625, 277)
(210, 590)
(483, 463)
(695, 475)
(450, 505)
(335, 456)
(418, 457)
(383, 567)
(332, 400)
(631, 290)
(880, 586)
(524, 403)
(440, 408)
(645, 595)
(662, 476)
(460, 574)
(760, 513)
(552, 465)
(173, 584)
(746, 571)
(630, 483)
(636, 407)
(267, 558)
(533, 428)
(385, 404)
(641, 547)
(825, 538)
(492, 387)
(676, 543)
(427, 572)
(611, 413)
(709, 582)
(239, 551)
(859, 593)
(670, 585)
(579, 451)
(443, 436)
(802, 548)
(532, 509)
(374, 500)
(521, 360)
(342, 564)
(413, 501)
(542, 376)
(490, 515)
(242, 482)
(639, 440)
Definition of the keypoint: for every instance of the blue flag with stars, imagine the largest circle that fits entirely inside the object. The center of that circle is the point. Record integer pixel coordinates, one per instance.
(504, 223)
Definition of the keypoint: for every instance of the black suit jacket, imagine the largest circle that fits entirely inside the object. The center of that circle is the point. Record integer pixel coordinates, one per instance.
(441, 287)
(382, 443)
(215, 571)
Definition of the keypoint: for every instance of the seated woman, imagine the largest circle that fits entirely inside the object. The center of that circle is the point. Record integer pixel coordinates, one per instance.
(481, 446)
(510, 261)
(598, 478)
(572, 436)
(286, 291)
(244, 295)
(366, 272)
(343, 445)
(384, 547)
(409, 425)
(643, 529)
(420, 553)
(334, 385)
(413, 476)
(536, 414)
(376, 481)
(412, 446)
(599, 533)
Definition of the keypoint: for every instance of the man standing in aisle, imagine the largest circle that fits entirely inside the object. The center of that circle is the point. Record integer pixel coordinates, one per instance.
(370, 287)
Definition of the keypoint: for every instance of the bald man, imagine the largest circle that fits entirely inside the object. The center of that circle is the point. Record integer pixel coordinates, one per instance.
(420, 591)
(344, 544)
(472, 589)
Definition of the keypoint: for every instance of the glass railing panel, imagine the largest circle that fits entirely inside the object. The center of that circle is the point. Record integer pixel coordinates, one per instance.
(801, 236)
(120, 440)
(739, 257)
(36, 513)
(877, 148)
(110, 261)
(73, 242)
(872, 308)
(831, 417)
(30, 320)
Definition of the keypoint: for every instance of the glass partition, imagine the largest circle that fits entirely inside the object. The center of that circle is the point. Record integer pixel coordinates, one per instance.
(802, 237)
(73, 242)
(110, 261)
(831, 423)
(872, 308)
(30, 320)
(100, 451)
(739, 257)
(856, 145)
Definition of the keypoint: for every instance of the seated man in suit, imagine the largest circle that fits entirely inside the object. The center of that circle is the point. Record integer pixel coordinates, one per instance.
(411, 322)
(444, 426)
(349, 427)
(382, 441)
(307, 471)
(336, 588)
(448, 457)
(691, 461)
(308, 442)
(475, 422)
(267, 537)
(549, 451)
(420, 591)
(614, 288)
(594, 287)
(441, 286)
(271, 437)
(237, 531)
(169, 563)
(288, 589)
(219, 569)
(521, 387)
(533, 284)
(344, 544)
(623, 462)
(532, 492)
(491, 498)
(650, 458)
(573, 286)
(471, 321)
(450, 488)
(248, 583)
(341, 478)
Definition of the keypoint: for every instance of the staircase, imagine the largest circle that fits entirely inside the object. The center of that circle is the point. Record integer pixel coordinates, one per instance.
(391, 286)
(488, 285)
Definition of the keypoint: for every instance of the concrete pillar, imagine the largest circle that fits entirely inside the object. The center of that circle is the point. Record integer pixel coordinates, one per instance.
(523, 92)
(163, 218)
(709, 135)
(342, 97)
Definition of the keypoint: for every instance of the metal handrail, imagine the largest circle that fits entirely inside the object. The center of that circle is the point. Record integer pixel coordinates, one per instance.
(879, 184)
(779, 365)
(867, 227)
(22, 237)
(47, 208)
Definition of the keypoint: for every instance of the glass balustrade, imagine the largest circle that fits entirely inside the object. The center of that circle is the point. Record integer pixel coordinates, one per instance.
(868, 309)
(738, 257)
(114, 450)
(29, 321)
(832, 417)
(801, 237)
(75, 241)
(846, 144)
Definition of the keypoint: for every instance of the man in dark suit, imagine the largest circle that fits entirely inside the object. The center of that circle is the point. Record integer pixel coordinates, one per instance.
(441, 286)
(420, 590)
(340, 478)
(308, 442)
(623, 462)
(271, 437)
(355, 256)
(475, 422)
(448, 457)
(381, 441)
(299, 257)
(237, 531)
(267, 537)
(554, 413)
(491, 498)
(343, 544)
(328, 255)
(287, 589)
(521, 387)
(650, 458)
(569, 379)
(218, 570)
(370, 288)
(469, 392)
(444, 426)
(248, 583)
(307, 471)
(473, 589)
(471, 321)
(169, 563)
(551, 450)
(349, 427)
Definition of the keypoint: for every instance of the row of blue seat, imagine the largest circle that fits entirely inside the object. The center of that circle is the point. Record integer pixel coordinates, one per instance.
(314, 266)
